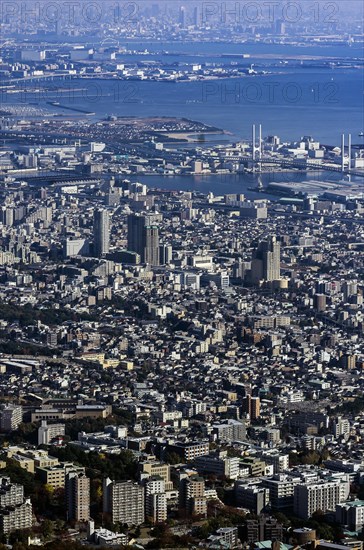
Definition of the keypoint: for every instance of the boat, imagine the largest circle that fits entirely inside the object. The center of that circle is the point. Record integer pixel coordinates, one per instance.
(361, 134)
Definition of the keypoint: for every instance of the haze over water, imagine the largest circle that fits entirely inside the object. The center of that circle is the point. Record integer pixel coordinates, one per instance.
(306, 100)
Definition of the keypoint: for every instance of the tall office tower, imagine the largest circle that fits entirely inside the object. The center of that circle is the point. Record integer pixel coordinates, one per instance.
(320, 301)
(7, 216)
(155, 500)
(348, 361)
(78, 496)
(182, 17)
(192, 499)
(196, 20)
(124, 500)
(251, 406)
(246, 405)
(165, 254)
(255, 408)
(350, 288)
(151, 245)
(266, 261)
(143, 238)
(101, 232)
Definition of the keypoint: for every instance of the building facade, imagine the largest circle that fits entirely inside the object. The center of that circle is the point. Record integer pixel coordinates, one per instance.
(101, 232)
(124, 500)
(77, 487)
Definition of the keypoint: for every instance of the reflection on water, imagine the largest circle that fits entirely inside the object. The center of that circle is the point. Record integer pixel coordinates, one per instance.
(221, 184)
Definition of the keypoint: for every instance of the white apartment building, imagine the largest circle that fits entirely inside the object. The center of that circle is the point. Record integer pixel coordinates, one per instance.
(16, 517)
(155, 500)
(218, 465)
(323, 495)
(281, 490)
(47, 432)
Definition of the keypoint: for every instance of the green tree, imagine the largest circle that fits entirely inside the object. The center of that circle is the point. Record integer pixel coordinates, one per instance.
(47, 529)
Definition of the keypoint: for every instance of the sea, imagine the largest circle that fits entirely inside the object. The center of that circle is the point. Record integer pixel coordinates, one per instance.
(301, 98)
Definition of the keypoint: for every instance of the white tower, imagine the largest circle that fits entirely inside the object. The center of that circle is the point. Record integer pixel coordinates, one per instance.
(257, 147)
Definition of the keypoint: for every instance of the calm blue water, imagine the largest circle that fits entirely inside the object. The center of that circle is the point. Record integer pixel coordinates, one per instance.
(210, 49)
(233, 183)
(321, 103)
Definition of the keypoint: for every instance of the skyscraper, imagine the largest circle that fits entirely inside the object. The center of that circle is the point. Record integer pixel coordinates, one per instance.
(101, 232)
(196, 16)
(143, 238)
(182, 17)
(266, 261)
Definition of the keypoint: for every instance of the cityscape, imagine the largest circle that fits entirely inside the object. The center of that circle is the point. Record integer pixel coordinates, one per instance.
(181, 275)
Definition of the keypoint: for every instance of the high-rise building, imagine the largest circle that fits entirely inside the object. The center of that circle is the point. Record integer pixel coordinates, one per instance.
(155, 500)
(10, 417)
(323, 495)
(230, 430)
(156, 469)
(192, 499)
(182, 17)
(78, 496)
(351, 514)
(101, 232)
(266, 261)
(218, 464)
(251, 496)
(251, 406)
(151, 245)
(143, 238)
(165, 254)
(75, 247)
(7, 216)
(281, 490)
(47, 432)
(16, 517)
(320, 302)
(15, 511)
(124, 500)
(196, 18)
(280, 27)
(10, 493)
(348, 361)
(255, 408)
(341, 427)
